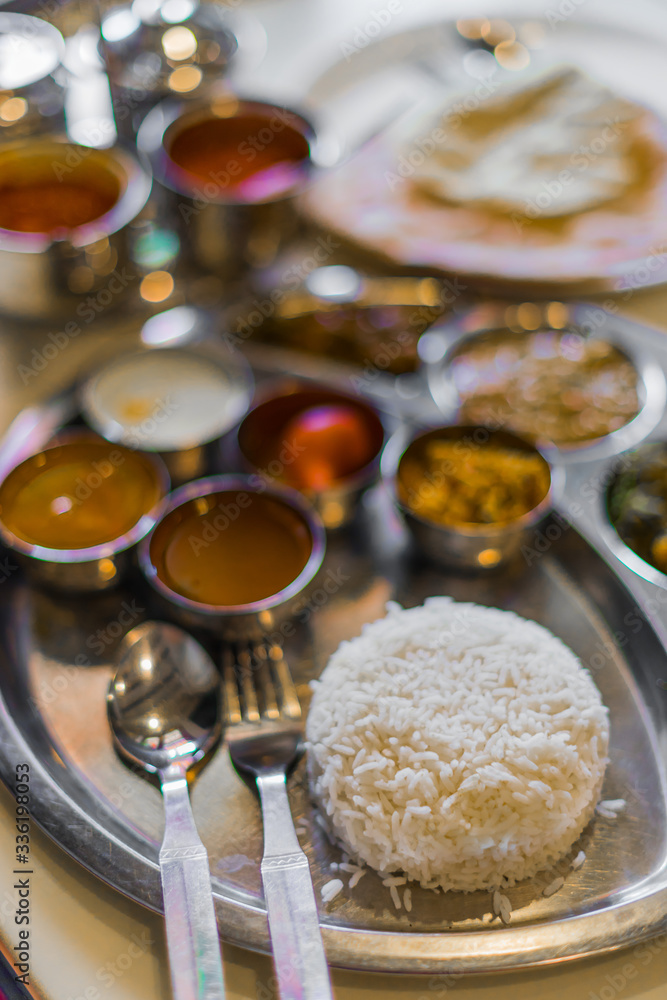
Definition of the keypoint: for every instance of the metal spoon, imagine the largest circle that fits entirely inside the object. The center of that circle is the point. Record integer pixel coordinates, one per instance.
(164, 711)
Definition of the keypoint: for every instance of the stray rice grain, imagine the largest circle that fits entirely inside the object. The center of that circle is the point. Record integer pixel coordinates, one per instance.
(331, 889)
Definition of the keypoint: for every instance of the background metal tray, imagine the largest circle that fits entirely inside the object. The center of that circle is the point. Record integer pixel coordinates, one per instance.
(56, 660)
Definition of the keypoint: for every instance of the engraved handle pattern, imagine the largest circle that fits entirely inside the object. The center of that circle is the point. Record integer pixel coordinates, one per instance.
(299, 958)
(192, 934)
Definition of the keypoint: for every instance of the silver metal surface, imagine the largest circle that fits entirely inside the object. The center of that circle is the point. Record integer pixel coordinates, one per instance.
(164, 711)
(31, 75)
(144, 53)
(142, 49)
(264, 736)
(57, 658)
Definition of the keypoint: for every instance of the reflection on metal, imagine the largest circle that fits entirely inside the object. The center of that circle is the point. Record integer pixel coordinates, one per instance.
(179, 43)
(156, 286)
(184, 79)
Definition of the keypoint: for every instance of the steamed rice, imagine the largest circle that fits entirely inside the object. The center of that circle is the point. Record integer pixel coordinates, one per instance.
(462, 746)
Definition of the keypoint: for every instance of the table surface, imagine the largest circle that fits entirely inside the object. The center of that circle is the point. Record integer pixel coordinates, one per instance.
(90, 943)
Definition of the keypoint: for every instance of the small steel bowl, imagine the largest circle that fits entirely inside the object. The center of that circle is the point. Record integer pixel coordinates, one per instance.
(194, 452)
(440, 346)
(143, 49)
(241, 621)
(225, 232)
(277, 404)
(32, 85)
(469, 547)
(632, 552)
(97, 567)
(87, 270)
(154, 49)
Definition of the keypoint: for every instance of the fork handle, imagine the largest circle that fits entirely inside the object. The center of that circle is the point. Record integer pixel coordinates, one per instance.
(193, 945)
(294, 928)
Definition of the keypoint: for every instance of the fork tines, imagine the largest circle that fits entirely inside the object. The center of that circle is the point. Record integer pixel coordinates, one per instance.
(257, 684)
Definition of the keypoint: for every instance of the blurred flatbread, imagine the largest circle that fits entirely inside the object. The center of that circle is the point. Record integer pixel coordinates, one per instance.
(522, 223)
(562, 144)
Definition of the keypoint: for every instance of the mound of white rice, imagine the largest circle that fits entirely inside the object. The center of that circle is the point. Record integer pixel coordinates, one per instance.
(463, 746)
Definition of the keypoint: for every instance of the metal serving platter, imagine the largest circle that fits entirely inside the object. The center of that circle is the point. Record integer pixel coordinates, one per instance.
(56, 656)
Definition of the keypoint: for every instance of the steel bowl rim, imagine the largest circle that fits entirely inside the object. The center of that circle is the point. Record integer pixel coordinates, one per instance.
(403, 439)
(217, 484)
(103, 550)
(618, 547)
(135, 191)
(225, 358)
(160, 118)
(651, 381)
(270, 391)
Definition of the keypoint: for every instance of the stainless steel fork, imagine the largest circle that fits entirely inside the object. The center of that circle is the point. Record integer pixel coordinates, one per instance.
(264, 735)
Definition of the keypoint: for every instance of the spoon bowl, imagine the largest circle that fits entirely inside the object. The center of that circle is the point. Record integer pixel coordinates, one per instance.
(164, 702)
(164, 711)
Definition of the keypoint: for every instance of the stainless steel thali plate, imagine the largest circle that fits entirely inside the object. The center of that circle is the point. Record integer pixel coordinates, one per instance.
(56, 657)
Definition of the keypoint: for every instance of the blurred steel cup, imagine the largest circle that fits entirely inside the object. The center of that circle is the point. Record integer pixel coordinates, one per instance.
(32, 92)
(214, 512)
(154, 48)
(298, 432)
(64, 210)
(229, 170)
(171, 399)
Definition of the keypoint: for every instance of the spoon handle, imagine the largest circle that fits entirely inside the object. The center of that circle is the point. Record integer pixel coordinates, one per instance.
(192, 934)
